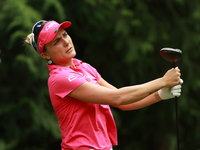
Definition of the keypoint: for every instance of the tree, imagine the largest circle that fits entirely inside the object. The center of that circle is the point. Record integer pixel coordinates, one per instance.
(122, 40)
(27, 116)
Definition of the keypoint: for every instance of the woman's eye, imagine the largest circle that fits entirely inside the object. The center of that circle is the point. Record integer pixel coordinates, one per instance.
(65, 34)
(56, 42)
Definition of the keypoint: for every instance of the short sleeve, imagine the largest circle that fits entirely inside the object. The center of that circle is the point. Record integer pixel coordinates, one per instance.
(92, 71)
(65, 82)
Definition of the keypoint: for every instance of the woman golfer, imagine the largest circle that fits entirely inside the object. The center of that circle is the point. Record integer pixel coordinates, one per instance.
(81, 97)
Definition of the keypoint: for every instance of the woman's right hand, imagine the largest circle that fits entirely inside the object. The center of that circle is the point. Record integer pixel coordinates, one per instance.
(172, 77)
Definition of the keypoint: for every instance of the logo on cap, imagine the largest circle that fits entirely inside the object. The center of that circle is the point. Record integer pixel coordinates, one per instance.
(55, 30)
(49, 26)
(40, 44)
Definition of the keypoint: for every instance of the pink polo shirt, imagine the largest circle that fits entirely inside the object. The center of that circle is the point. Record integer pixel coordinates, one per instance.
(83, 125)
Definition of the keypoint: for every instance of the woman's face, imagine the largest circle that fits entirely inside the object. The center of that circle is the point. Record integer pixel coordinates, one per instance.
(61, 49)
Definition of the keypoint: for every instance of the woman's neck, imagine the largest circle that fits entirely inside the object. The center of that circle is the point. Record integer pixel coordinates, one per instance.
(70, 63)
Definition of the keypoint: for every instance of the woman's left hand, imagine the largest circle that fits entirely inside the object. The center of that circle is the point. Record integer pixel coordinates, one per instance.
(168, 93)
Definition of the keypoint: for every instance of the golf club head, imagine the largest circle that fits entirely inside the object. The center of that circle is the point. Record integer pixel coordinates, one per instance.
(170, 54)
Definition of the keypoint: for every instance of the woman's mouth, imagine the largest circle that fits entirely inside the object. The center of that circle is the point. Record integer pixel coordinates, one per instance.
(69, 50)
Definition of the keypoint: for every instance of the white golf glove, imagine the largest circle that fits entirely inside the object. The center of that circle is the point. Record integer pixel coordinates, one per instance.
(168, 93)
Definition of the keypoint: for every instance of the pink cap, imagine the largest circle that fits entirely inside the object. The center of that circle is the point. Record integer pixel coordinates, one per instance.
(48, 33)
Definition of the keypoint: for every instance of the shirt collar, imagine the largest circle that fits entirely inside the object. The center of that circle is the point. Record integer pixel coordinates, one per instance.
(53, 67)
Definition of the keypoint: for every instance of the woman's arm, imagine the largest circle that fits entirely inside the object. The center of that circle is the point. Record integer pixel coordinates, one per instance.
(93, 93)
(149, 100)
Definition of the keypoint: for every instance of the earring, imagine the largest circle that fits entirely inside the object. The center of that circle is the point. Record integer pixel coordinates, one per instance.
(49, 62)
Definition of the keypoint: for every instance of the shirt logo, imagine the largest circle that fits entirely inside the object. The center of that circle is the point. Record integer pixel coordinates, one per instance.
(71, 78)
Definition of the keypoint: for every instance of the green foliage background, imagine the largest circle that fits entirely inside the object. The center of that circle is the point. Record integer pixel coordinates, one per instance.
(122, 39)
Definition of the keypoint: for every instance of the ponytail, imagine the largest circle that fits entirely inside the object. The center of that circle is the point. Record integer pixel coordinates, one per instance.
(28, 38)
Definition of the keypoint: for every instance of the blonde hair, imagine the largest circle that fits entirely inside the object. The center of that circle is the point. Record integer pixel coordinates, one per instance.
(28, 38)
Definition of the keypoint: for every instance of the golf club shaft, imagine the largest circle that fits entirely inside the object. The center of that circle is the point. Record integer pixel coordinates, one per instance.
(177, 131)
(176, 109)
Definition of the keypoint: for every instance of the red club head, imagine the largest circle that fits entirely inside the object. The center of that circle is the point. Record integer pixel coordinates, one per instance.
(170, 54)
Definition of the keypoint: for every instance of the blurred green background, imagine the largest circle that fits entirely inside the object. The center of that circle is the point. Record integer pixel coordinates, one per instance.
(121, 39)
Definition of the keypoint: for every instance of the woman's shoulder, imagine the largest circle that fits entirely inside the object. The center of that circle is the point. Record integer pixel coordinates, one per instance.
(60, 71)
(81, 63)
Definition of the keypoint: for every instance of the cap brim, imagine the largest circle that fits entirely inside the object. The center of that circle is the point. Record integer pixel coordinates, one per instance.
(65, 24)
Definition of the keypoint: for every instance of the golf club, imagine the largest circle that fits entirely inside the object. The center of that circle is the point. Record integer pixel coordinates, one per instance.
(173, 55)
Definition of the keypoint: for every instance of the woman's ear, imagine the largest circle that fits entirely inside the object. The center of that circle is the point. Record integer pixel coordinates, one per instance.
(45, 55)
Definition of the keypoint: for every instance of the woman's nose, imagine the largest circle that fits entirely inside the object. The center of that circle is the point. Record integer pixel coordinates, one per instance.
(66, 41)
